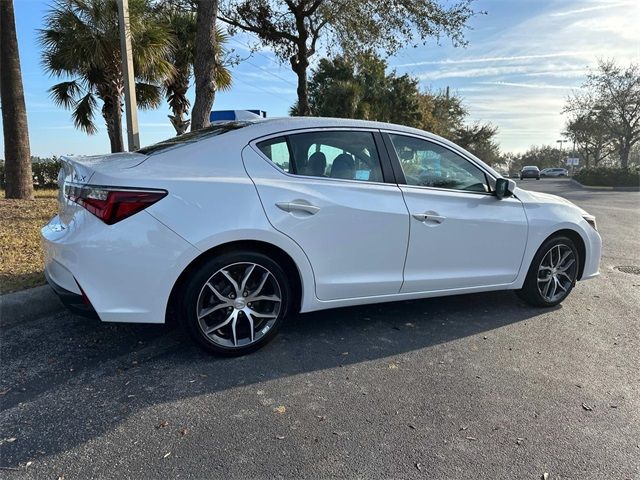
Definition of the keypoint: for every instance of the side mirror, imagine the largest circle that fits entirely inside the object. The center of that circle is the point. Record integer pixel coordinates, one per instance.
(504, 188)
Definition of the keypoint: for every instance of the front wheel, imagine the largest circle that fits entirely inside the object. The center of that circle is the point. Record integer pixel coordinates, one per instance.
(235, 303)
(552, 274)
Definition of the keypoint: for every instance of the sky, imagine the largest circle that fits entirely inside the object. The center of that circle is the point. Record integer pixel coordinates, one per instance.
(523, 59)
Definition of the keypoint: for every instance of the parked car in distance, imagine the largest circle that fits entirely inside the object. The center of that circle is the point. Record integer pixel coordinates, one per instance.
(554, 172)
(233, 228)
(530, 172)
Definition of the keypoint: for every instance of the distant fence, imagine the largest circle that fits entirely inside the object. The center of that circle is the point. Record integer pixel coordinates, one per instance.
(45, 173)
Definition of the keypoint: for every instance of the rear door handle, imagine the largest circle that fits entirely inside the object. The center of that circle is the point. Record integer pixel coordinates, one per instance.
(428, 217)
(298, 207)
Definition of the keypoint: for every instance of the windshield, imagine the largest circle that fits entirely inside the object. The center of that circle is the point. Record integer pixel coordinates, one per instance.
(210, 131)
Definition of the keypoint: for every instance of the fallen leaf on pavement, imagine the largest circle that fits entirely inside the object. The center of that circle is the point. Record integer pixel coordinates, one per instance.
(281, 409)
(183, 432)
(586, 407)
(419, 466)
(163, 424)
(279, 437)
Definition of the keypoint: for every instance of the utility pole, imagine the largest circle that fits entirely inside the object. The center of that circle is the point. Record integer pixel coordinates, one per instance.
(133, 134)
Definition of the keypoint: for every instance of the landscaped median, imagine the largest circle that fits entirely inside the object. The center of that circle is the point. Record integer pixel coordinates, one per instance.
(615, 177)
(21, 260)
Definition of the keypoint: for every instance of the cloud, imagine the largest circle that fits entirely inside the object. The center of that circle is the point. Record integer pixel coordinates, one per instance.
(578, 11)
(509, 58)
(542, 86)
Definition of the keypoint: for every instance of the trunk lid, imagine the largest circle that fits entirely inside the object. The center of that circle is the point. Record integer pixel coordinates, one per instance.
(79, 170)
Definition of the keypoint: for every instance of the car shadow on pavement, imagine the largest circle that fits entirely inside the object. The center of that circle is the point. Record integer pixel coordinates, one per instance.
(66, 380)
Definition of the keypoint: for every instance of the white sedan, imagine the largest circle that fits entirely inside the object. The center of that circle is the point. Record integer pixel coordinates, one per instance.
(235, 227)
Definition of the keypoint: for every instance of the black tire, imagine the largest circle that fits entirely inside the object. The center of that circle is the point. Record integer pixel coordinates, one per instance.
(537, 178)
(530, 292)
(233, 263)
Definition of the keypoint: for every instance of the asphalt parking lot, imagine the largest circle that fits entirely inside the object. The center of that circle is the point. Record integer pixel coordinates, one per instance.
(476, 386)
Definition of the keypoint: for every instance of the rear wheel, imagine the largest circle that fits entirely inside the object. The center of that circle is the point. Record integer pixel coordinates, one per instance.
(552, 274)
(235, 303)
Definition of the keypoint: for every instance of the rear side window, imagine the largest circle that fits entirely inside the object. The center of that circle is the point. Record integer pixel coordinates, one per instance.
(277, 150)
(348, 155)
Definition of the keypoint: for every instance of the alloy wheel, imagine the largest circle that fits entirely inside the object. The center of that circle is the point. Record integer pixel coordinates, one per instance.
(557, 273)
(239, 304)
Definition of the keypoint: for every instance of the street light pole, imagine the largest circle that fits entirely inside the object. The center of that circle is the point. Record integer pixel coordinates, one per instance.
(133, 134)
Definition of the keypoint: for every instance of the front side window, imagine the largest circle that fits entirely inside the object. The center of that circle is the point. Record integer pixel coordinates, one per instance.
(344, 155)
(427, 164)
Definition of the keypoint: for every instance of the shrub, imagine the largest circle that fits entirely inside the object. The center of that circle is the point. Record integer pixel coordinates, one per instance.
(609, 176)
(45, 173)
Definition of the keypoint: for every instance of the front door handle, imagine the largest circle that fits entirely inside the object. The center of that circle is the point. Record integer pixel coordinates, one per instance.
(429, 217)
(298, 207)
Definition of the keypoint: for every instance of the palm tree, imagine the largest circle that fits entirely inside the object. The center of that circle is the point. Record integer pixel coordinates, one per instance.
(81, 41)
(182, 24)
(19, 183)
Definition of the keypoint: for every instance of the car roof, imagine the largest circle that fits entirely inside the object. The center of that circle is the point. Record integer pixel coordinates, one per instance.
(277, 124)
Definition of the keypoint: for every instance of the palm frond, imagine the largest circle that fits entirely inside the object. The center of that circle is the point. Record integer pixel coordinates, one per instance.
(83, 114)
(148, 95)
(65, 94)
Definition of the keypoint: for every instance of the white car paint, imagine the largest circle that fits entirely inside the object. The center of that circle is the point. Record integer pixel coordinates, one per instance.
(362, 245)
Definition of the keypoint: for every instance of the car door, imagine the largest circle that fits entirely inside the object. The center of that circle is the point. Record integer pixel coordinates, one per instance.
(461, 235)
(329, 191)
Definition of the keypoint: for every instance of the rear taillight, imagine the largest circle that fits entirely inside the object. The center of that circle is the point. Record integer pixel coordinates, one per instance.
(112, 204)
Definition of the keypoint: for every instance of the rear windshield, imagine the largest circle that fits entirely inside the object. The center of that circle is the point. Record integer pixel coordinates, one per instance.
(191, 137)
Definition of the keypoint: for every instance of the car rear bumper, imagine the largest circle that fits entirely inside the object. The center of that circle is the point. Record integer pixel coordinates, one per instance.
(125, 271)
(75, 302)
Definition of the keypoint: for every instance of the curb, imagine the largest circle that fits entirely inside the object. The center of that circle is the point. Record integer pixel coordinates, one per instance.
(606, 189)
(27, 305)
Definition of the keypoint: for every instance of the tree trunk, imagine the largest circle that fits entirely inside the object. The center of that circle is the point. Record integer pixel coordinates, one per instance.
(112, 113)
(205, 64)
(18, 179)
(300, 69)
(625, 149)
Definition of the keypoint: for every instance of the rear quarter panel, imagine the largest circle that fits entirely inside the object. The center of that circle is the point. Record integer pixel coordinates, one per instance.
(212, 201)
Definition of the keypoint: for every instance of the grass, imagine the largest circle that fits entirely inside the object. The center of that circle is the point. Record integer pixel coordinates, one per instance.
(21, 258)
